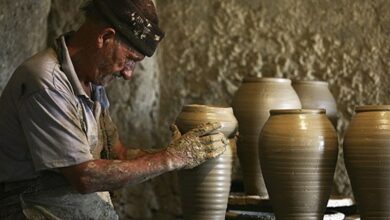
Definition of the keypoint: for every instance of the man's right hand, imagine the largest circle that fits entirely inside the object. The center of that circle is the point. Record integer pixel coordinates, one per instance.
(196, 146)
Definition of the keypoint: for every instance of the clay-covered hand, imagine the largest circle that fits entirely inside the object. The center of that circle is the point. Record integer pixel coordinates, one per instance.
(175, 132)
(196, 146)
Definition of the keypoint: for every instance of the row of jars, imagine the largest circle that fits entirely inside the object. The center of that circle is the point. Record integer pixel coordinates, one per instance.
(287, 148)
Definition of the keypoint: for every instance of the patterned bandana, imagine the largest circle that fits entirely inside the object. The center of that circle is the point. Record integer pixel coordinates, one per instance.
(131, 23)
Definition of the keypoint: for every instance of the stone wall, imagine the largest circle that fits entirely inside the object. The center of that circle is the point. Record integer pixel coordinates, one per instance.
(209, 47)
(23, 32)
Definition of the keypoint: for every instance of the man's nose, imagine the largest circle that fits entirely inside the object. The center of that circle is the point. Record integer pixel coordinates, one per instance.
(126, 73)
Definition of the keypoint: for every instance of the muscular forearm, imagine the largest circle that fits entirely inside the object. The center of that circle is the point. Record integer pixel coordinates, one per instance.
(186, 151)
(120, 152)
(135, 153)
(104, 175)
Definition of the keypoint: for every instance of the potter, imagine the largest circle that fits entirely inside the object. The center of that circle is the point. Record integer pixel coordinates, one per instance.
(60, 152)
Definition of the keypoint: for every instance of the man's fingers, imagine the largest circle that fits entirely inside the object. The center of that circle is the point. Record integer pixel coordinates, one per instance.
(215, 145)
(175, 131)
(214, 142)
(211, 150)
(216, 151)
(206, 128)
(212, 138)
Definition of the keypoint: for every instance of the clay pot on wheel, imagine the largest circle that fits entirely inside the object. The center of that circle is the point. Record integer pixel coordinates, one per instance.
(367, 158)
(298, 155)
(316, 94)
(251, 105)
(205, 189)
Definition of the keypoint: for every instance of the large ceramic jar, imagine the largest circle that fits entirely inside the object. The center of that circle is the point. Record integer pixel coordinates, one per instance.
(316, 94)
(205, 189)
(298, 155)
(251, 105)
(367, 158)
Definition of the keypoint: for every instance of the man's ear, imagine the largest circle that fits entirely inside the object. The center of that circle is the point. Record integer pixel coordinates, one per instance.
(107, 35)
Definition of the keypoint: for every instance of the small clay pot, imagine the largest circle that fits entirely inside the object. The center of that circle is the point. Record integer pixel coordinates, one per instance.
(298, 155)
(316, 94)
(367, 158)
(251, 105)
(205, 189)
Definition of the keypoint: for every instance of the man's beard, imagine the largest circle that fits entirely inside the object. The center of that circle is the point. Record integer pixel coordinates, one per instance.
(107, 79)
(129, 66)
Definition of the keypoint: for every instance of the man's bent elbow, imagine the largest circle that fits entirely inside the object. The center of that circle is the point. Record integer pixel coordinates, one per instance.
(76, 175)
(83, 186)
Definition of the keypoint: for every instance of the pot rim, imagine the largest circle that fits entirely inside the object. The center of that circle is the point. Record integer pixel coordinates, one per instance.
(266, 79)
(206, 108)
(297, 111)
(315, 82)
(372, 108)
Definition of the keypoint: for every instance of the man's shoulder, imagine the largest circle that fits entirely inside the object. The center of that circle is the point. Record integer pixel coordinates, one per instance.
(42, 71)
(40, 66)
(41, 60)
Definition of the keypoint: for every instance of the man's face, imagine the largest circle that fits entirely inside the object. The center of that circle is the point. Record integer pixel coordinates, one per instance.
(116, 59)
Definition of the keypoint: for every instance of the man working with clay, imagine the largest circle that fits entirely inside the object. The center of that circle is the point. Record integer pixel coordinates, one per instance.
(59, 150)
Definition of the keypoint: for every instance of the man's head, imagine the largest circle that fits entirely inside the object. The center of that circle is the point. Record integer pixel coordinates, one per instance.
(119, 33)
(135, 20)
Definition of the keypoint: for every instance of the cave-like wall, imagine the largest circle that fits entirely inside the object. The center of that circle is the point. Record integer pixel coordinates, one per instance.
(209, 47)
(23, 31)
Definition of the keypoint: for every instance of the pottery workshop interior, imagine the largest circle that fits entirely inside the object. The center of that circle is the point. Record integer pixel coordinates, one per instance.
(209, 48)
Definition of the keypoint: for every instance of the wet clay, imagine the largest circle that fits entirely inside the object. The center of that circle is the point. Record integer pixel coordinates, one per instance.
(205, 189)
(298, 154)
(367, 158)
(251, 105)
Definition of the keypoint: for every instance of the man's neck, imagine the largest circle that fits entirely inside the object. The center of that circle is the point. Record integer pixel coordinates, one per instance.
(77, 54)
(87, 88)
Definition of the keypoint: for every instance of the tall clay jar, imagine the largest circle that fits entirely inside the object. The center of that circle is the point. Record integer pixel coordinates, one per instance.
(205, 189)
(298, 155)
(251, 105)
(316, 94)
(367, 158)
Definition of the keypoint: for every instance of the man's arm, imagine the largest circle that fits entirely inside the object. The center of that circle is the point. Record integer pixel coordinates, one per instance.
(105, 175)
(121, 152)
(187, 151)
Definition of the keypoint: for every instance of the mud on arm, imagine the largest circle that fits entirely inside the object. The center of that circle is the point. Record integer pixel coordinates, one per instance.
(186, 151)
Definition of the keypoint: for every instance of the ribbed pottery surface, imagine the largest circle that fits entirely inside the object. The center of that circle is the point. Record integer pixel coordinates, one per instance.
(205, 189)
(367, 158)
(316, 94)
(193, 115)
(298, 156)
(251, 105)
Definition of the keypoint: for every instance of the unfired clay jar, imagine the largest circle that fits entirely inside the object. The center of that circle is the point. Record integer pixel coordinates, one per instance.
(298, 155)
(251, 105)
(316, 94)
(205, 189)
(367, 158)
